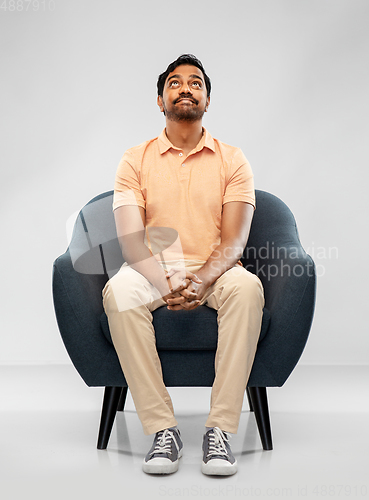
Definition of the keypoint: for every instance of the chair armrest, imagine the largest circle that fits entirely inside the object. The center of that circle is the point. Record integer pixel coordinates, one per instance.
(289, 289)
(78, 307)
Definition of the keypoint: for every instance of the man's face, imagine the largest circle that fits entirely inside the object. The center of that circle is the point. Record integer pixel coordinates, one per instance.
(184, 95)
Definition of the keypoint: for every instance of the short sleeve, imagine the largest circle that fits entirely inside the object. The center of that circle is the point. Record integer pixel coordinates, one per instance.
(240, 180)
(127, 187)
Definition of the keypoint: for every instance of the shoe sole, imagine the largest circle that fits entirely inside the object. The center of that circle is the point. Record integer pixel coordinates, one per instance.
(218, 467)
(161, 465)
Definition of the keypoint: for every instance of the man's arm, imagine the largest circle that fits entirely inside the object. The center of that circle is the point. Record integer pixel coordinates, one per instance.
(130, 221)
(235, 229)
(236, 222)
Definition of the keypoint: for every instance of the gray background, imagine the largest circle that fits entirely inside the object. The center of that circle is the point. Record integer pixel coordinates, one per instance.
(290, 87)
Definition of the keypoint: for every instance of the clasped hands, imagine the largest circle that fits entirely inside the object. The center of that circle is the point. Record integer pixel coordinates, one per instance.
(186, 289)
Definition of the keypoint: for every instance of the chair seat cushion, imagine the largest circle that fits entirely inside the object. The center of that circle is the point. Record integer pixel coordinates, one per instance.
(195, 330)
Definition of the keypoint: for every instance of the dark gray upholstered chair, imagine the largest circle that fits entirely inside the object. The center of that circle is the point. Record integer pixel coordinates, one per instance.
(186, 340)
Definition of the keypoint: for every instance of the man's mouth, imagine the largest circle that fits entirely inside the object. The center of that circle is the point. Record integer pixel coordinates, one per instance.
(186, 99)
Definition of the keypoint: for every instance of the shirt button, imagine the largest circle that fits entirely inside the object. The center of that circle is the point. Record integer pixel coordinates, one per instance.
(183, 164)
(180, 154)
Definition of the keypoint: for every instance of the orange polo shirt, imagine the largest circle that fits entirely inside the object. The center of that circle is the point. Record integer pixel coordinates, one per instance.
(183, 195)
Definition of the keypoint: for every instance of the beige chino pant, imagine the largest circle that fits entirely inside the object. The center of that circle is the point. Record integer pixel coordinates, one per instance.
(237, 295)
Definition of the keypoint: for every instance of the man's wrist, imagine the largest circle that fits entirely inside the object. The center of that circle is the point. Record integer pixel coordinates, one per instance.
(204, 277)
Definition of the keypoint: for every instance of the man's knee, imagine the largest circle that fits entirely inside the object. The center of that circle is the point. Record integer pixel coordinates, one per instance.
(126, 290)
(241, 282)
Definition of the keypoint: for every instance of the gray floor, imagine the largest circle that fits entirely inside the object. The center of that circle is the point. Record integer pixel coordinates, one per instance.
(49, 421)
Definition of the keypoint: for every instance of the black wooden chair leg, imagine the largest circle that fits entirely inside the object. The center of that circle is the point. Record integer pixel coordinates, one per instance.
(109, 409)
(122, 399)
(249, 398)
(259, 401)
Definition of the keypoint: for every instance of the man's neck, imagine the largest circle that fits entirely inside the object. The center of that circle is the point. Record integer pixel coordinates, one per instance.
(185, 136)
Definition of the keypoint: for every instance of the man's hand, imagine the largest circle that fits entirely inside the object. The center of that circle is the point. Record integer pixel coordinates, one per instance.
(187, 296)
(179, 281)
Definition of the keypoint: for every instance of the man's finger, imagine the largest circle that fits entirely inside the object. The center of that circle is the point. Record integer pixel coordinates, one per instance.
(190, 305)
(193, 277)
(186, 274)
(176, 300)
(178, 307)
(189, 295)
(184, 284)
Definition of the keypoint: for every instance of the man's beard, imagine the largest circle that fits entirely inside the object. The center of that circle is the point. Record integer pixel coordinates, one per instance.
(187, 114)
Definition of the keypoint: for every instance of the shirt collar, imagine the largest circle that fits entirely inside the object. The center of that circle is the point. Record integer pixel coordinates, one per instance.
(206, 141)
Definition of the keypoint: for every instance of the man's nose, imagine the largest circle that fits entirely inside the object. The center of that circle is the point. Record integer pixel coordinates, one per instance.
(185, 89)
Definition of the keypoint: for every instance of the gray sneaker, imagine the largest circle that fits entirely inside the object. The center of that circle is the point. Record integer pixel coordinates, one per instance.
(165, 452)
(218, 458)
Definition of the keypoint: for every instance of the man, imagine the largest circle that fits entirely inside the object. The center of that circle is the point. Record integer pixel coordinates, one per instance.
(183, 205)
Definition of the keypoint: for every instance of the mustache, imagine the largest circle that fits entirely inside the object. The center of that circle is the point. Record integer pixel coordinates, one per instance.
(186, 97)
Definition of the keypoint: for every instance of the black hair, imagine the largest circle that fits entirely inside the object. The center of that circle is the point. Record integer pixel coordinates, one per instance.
(183, 59)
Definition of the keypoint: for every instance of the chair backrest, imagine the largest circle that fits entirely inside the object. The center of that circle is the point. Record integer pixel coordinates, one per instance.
(273, 240)
(273, 222)
(94, 247)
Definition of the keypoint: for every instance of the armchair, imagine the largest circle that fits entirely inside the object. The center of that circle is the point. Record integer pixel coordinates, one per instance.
(273, 252)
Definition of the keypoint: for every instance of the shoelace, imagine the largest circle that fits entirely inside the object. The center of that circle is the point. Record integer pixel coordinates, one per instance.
(217, 442)
(163, 444)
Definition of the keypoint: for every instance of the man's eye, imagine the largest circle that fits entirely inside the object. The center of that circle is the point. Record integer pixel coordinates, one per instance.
(196, 84)
(173, 83)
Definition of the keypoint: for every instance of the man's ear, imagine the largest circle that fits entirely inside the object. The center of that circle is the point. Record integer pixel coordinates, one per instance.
(207, 103)
(160, 103)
